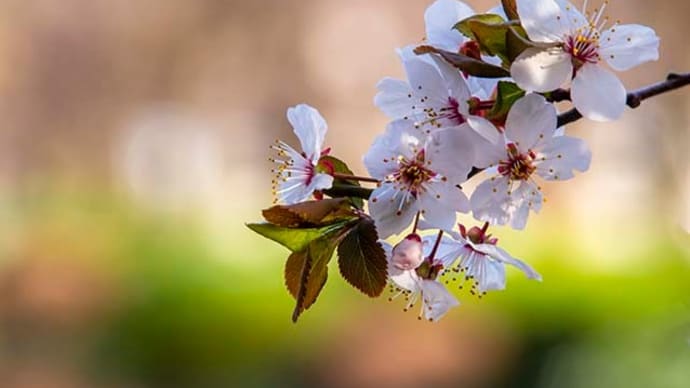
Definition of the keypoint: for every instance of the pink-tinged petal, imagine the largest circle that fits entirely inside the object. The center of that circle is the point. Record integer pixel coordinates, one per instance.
(503, 256)
(320, 182)
(437, 300)
(629, 45)
(548, 20)
(394, 98)
(530, 120)
(561, 156)
(490, 275)
(440, 18)
(392, 210)
(310, 128)
(537, 70)
(426, 82)
(490, 201)
(408, 253)
(598, 94)
(450, 152)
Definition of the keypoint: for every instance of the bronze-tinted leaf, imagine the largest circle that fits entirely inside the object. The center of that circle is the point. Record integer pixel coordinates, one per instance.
(310, 269)
(310, 213)
(362, 260)
(332, 164)
(466, 64)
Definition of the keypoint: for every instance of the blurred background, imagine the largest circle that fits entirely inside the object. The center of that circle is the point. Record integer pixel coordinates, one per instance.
(133, 148)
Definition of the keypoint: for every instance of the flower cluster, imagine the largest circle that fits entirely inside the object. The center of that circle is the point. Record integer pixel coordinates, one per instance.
(471, 109)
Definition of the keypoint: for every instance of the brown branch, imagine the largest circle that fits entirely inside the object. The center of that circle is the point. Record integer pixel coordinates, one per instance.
(635, 98)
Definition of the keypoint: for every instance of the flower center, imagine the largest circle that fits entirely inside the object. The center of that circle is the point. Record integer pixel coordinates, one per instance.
(413, 174)
(518, 166)
(583, 48)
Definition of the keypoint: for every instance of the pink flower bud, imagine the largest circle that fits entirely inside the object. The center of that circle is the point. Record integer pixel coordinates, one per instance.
(408, 253)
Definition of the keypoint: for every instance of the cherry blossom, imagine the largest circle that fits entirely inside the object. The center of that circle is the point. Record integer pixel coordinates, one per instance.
(481, 260)
(297, 176)
(420, 281)
(581, 44)
(419, 173)
(528, 147)
(436, 96)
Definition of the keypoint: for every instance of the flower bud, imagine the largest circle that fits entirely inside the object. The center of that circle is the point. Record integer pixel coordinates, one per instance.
(408, 253)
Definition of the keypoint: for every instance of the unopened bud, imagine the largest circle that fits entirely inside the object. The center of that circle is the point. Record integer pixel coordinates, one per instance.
(408, 253)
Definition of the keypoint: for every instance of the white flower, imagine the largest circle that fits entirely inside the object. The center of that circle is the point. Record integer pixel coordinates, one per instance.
(481, 260)
(440, 18)
(529, 147)
(419, 173)
(420, 282)
(436, 96)
(296, 176)
(581, 44)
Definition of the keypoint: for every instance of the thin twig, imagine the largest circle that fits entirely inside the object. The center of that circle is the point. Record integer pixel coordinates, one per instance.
(635, 98)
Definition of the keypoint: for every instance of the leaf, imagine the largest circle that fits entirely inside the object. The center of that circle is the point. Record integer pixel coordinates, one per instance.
(510, 8)
(362, 260)
(294, 239)
(310, 213)
(306, 272)
(332, 164)
(463, 26)
(507, 94)
(466, 64)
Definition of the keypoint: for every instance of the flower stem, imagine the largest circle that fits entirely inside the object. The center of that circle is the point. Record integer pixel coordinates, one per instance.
(416, 223)
(436, 245)
(348, 177)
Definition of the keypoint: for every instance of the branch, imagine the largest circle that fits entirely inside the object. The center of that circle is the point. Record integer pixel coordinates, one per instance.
(635, 98)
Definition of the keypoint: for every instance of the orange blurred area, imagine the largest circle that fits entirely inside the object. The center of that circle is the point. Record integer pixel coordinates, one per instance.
(133, 149)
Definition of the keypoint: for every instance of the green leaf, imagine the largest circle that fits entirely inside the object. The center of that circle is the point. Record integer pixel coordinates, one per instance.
(362, 260)
(310, 213)
(306, 272)
(466, 64)
(463, 26)
(332, 164)
(507, 94)
(295, 239)
(510, 8)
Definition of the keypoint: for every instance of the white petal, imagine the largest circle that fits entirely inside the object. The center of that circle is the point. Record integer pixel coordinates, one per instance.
(490, 275)
(394, 98)
(548, 20)
(310, 128)
(490, 201)
(500, 254)
(440, 204)
(561, 156)
(484, 128)
(426, 81)
(437, 300)
(440, 18)
(530, 120)
(320, 182)
(400, 139)
(448, 250)
(407, 280)
(523, 198)
(455, 82)
(488, 154)
(542, 70)
(391, 210)
(629, 45)
(451, 152)
(598, 94)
